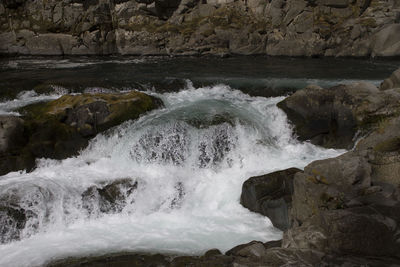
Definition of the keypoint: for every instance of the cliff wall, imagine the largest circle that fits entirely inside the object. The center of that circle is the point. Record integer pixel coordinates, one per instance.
(193, 27)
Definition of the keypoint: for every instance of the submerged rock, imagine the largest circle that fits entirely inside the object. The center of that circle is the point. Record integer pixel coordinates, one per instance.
(12, 222)
(23, 210)
(110, 198)
(392, 82)
(270, 195)
(61, 128)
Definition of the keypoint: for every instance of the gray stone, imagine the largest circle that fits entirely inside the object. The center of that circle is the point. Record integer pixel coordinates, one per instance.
(327, 184)
(392, 82)
(332, 117)
(386, 42)
(51, 44)
(270, 195)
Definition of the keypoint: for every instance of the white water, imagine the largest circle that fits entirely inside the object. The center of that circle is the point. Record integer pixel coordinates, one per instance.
(189, 181)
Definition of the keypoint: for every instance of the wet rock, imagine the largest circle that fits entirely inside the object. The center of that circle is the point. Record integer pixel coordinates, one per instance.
(12, 140)
(110, 198)
(61, 128)
(270, 195)
(331, 117)
(23, 210)
(12, 222)
(254, 249)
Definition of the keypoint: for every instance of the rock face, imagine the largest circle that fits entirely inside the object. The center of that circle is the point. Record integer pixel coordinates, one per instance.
(270, 195)
(188, 27)
(349, 205)
(26, 209)
(344, 211)
(332, 117)
(60, 128)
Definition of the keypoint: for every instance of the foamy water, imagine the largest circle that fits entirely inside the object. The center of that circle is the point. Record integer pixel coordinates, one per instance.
(188, 160)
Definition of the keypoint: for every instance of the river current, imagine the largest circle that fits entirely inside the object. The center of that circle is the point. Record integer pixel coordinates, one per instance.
(185, 162)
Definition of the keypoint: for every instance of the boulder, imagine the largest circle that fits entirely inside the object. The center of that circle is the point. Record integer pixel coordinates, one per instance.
(329, 184)
(392, 82)
(23, 206)
(108, 198)
(383, 146)
(340, 207)
(270, 195)
(61, 128)
(331, 117)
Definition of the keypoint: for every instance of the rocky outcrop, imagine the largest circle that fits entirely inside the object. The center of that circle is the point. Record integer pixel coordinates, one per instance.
(61, 128)
(343, 210)
(191, 27)
(270, 195)
(332, 117)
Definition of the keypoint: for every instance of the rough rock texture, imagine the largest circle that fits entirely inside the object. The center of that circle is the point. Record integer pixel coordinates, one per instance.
(332, 117)
(344, 211)
(392, 82)
(60, 128)
(270, 195)
(350, 205)
(192, 27)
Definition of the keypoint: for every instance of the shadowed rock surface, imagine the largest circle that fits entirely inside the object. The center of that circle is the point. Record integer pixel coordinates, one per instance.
(270, 195)
(344, 211)
(337, 116)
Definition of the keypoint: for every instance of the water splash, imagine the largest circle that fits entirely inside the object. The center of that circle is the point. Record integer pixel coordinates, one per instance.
(169, 182)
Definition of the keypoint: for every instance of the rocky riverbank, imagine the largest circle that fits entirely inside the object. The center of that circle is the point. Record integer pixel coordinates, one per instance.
(191, 27)
(337, 212)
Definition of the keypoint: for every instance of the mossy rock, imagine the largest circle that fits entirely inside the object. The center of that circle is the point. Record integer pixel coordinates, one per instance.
(61, 128)
(98, 112)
